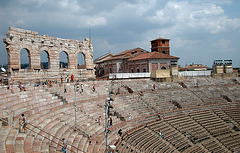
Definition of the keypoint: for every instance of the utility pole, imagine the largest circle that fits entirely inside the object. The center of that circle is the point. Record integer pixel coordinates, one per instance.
(107, 104)
(76, 88)
(106, 120)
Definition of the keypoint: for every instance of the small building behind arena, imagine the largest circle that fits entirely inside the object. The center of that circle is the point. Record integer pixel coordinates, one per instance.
(98, 64)
(119, 62)
(138, 60)
(223, 68)
(195, 67)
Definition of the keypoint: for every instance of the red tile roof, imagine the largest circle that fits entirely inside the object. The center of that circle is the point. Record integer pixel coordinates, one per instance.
(152, 55)
(128, 54)
(103, 58)
(160, 39)
(195, 66)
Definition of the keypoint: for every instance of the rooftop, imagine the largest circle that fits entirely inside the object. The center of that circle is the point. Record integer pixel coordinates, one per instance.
(194, 66)
(160, 39)
(153, 55)
(128, 54)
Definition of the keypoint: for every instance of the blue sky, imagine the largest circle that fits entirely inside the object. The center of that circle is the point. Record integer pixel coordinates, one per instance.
(200, 30)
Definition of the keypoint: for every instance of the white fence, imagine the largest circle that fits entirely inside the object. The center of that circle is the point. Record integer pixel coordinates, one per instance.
(147, 75)
(128, 75)
(195, 73)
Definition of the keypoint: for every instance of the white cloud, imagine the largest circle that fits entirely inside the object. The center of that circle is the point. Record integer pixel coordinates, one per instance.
(225, 2)
(39, 2)
(96, 21)
(70, 5)
(122, 24)
(224, 46)
(195, 16)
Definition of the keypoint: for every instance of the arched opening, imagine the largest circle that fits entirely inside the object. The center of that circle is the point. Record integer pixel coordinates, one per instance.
(44, 60)
(63, 62)
(163, 68)
(25, 59)
(164, 52)
(81, 61)
(144, 70)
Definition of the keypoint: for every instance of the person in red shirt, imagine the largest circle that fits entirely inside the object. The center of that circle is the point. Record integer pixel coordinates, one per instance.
(72, 77)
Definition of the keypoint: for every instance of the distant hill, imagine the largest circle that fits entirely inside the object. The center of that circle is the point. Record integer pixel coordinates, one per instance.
(63, 65)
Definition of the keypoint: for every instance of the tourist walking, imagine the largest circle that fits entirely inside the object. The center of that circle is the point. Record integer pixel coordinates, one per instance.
(160, 134)
(93, 88)
(65, 88)
(90, 139)
(61, 79)
(99, 120)
(24, 119)
(10, 88)
(110, 121)
(72, 78)
(81, 88)
(129, 116)
(64, 148)
(21, 86)
(118, 91)
(120, 132)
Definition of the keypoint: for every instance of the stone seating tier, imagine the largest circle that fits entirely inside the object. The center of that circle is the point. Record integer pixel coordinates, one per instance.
(53, 114)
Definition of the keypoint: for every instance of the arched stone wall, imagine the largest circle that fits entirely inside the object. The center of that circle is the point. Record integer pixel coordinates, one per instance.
(16, 39)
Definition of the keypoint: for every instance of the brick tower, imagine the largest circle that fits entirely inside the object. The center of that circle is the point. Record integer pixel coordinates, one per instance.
(160, 45)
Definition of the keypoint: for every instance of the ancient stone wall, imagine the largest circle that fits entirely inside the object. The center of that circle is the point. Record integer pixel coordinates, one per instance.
(18, 39)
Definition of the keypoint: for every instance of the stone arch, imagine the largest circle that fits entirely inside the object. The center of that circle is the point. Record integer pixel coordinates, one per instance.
(163, 68)
(44, 60)
(25, 59)
(81, 61)
(63, 59)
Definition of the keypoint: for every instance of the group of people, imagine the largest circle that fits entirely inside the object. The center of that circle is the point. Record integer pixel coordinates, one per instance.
(68, 79)
(48, 83)
(81, 88)
(109, 124)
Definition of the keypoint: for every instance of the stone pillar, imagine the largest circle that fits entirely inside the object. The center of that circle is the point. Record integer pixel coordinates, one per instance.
(13, 58)
(54, 61)
(72, 61)
(35, 60)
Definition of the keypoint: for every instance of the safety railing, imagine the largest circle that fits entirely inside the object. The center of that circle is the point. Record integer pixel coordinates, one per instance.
(148, 119)
(7, 117)
(48, 135)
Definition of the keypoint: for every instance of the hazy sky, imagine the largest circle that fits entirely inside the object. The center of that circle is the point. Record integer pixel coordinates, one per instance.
(200, 30)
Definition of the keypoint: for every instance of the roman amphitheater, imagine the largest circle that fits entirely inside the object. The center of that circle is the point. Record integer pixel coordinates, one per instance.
(202, 117)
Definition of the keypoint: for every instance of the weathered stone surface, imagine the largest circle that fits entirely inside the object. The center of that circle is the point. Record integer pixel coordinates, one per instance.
(17, 39)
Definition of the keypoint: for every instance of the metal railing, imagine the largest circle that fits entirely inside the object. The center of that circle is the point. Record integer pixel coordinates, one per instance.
(10, 117)
(47, 137)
